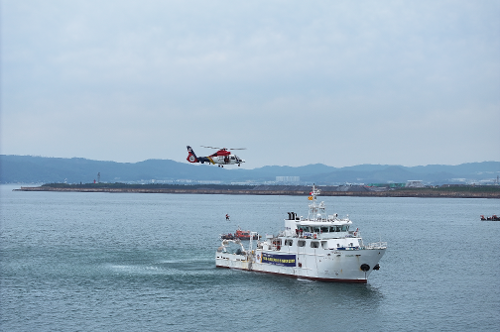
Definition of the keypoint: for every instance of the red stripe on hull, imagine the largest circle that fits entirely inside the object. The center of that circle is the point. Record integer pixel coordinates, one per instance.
(357, 281)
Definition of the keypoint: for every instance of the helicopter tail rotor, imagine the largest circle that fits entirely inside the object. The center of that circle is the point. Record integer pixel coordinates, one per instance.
(191, 155)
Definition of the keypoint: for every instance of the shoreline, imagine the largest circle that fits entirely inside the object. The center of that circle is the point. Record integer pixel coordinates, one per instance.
(429, 193)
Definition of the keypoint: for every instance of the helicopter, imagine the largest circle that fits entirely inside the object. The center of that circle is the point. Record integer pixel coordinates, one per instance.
(220, 158)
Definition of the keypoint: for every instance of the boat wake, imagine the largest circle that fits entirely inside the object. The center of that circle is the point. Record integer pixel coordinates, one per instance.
(165, 267)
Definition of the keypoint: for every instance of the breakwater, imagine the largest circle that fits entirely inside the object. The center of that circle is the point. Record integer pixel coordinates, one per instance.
(268, 190)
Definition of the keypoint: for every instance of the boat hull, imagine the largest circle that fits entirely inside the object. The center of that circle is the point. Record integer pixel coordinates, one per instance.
(333, 265)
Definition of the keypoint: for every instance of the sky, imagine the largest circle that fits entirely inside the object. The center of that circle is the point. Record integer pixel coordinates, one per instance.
(340, 83)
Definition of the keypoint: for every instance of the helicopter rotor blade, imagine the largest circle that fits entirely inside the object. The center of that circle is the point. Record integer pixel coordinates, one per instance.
(210, 147)
(218, 148)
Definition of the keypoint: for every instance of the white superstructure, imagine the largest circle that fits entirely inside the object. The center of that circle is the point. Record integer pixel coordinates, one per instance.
(318, 247)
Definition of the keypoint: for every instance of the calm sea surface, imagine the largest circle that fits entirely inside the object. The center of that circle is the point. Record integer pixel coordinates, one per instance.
(145, 262)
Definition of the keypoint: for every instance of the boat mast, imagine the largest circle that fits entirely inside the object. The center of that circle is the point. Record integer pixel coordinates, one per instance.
(316, 211)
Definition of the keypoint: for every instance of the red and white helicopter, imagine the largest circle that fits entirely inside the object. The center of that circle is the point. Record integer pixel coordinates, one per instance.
(219, 158)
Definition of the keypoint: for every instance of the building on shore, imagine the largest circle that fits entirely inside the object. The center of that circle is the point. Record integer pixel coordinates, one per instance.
(414, 184)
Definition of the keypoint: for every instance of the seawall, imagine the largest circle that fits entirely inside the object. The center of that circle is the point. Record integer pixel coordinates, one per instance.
(229, 191)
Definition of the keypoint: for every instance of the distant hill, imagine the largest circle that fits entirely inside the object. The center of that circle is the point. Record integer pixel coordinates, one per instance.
(29, 169)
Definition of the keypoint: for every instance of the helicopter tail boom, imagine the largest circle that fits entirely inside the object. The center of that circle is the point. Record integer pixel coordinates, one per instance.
(192, 158)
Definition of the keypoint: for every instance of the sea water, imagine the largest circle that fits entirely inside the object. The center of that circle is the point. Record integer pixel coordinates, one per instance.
(145, 262)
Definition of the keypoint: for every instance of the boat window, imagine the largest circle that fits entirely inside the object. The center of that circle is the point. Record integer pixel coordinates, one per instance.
(332, 228)
(301, 243)
(344, 228)
(324, 229)
(316, 229)
(314, 244)
(304, 228)
(324, 244)
(289, 242)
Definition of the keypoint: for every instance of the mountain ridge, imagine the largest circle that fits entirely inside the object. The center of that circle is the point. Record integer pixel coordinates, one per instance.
(34, 169)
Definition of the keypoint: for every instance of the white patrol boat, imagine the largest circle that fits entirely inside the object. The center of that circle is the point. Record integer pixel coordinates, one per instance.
(318, 247)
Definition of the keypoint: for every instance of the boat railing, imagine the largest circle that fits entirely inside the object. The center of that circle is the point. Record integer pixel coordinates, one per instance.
(376, 245)
(353, 233)
(308, 235)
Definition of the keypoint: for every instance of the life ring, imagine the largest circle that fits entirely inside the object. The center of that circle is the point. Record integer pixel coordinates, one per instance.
(315, 236)
(355, 233)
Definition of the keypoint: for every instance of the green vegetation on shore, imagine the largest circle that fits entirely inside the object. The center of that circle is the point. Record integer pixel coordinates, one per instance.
(454, 189)
(120, 185)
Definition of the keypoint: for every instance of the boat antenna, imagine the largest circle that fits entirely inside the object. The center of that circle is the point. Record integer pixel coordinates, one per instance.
(315, 192)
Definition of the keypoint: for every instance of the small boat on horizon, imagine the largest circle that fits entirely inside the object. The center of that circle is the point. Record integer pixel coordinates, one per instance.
(493, 217)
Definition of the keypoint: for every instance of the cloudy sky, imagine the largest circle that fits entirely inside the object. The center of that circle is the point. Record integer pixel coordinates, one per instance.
(335, 82)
